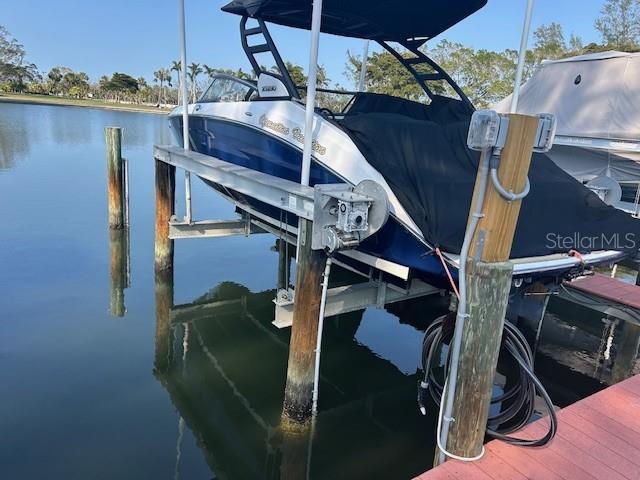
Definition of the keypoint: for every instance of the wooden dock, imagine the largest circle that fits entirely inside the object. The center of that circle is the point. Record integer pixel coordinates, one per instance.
(609, 288)
(598, 438)
(607, 295)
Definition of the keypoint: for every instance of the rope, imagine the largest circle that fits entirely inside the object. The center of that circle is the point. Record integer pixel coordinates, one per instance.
(578, 255)
(449, 276)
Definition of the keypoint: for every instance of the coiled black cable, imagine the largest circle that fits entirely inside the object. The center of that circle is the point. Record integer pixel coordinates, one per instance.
(517, 401)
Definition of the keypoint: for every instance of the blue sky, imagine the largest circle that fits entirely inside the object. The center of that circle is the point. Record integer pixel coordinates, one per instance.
(139, 36)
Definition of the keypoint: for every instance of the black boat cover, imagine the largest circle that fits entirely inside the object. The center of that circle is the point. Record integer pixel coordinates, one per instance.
(392, 20)
(428, 166)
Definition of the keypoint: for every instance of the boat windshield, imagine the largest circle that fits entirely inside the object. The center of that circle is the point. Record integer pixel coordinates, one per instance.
(225, 88)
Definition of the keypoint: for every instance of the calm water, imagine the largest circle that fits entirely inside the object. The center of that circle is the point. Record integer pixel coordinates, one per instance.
(86, 394)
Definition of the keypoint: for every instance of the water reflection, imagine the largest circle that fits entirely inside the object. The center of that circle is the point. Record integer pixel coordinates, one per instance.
(15, 133)
(621, 272)
(22, 126)
(228, 387)
(224, 366)
(72, 128)
(583, 350)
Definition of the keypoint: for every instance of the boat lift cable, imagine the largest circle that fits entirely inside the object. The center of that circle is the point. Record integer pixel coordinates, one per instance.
(518, 401)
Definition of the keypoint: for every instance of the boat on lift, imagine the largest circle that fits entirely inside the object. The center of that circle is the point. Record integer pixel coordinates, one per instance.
(415, 150)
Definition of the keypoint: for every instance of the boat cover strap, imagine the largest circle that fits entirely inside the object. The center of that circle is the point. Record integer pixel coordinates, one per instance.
(432, 172)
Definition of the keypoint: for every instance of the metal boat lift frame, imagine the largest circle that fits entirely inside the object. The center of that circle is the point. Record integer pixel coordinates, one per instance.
(297, 199)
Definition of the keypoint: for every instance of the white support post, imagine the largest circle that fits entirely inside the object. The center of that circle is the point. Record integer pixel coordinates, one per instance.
(312, 81)
(522, 56)
(323, 304)
(185, 105)
(363, 66)
(311, 92)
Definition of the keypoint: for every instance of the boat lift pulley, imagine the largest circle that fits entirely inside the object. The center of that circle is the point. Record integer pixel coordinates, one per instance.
(344, 215)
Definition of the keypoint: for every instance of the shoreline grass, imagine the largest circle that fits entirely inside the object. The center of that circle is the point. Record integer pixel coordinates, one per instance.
(74, 102)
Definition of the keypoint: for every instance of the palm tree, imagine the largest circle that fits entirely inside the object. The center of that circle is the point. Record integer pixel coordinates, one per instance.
(176, 66)
(209, 71)
(194, 71)
(169, 84)
(162, 75)
(142, 84)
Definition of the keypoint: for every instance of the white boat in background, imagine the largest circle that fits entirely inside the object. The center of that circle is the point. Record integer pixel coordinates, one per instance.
(596, 101)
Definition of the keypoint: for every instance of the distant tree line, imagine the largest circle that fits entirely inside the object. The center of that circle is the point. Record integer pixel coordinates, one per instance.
(486, 76)
(15, 71)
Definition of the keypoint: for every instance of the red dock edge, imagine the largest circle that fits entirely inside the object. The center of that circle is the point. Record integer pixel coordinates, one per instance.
(609, 288)
(598, 438)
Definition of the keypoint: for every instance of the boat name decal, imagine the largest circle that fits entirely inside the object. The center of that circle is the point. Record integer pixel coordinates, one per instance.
(272, 125)
(299, 136)
(297, 133)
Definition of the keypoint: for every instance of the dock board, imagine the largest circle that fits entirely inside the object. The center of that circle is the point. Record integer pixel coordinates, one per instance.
(609, 288)
(598, 437)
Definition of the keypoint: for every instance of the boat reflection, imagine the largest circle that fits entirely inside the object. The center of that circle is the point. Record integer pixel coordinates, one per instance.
(224, 366)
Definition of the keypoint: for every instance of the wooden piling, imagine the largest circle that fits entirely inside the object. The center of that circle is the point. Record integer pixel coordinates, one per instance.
(488, 286)
(165, 208)
(501, 216)
(115, 178)
(488, 283)
(304, 330)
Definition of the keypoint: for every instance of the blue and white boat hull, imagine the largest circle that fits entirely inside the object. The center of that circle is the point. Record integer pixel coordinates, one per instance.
(241, 145)
(266, 136)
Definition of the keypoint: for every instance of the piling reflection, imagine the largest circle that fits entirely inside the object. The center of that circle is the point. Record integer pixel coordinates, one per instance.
(583, 350)
(285, 254)
(164, 348)
(296, 441)
(626, 361)
(119, 270)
